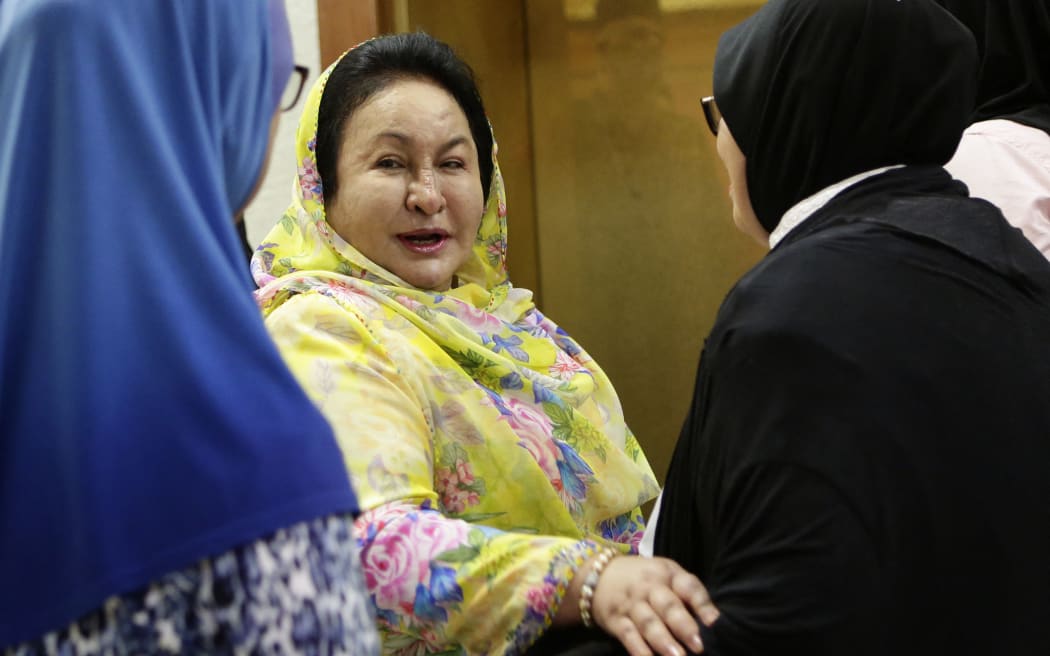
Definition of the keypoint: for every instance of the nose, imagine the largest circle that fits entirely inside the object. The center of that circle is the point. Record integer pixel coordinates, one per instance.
(424, 194)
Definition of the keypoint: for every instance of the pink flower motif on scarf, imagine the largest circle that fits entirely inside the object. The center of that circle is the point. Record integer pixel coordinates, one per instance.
(565, 366)
(390, 565)
(455, 487)
(526, 419)
(479, 320)
(399, 557)
(540, 599)
(535, 432)
(495, 250)
(432, 535)
(309, 180)
(636, 540)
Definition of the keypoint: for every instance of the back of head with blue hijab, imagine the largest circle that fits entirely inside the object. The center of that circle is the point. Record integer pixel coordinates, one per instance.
(146, 420)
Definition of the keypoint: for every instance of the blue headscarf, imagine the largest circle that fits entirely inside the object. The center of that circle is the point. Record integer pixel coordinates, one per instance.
(146, 420)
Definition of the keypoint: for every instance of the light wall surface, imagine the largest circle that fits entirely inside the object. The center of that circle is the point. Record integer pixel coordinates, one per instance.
(275, 194)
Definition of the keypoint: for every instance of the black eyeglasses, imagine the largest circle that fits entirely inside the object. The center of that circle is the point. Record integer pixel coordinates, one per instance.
(294, 88)
(711, 113)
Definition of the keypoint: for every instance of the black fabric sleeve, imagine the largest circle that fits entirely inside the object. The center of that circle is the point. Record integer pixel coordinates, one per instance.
(795, 569)
(778, 472)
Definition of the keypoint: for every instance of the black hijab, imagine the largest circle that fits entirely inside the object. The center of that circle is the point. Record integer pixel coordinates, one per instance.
(815, 91)
(1013, 40)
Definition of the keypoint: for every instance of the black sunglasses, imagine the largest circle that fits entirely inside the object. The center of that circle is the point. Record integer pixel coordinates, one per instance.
(711, 113)
(294, 88)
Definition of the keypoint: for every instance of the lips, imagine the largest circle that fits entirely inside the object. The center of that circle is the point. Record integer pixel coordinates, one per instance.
(424, 242)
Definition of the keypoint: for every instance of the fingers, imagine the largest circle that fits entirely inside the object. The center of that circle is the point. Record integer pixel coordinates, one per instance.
(666, 624)
(688, 587)
(670, 617)
(624, 630)
(649, 605)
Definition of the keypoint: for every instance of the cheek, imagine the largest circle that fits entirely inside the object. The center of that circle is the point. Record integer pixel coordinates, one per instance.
(340, 215)
(470, 206)
(357, 213)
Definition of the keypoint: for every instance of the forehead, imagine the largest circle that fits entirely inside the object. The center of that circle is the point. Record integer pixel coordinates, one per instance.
(416, 107)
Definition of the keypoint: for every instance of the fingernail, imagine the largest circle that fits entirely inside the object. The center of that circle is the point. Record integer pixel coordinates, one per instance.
(696, 643)
(709, 615)
(675, 651)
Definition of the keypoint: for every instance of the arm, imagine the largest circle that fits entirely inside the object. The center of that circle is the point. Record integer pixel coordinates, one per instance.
(794, 571)
(761, 498)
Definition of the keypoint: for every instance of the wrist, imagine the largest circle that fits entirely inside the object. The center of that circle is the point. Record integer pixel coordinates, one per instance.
(590, 583)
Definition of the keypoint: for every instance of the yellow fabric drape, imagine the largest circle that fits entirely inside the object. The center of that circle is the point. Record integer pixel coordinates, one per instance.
(488, 450)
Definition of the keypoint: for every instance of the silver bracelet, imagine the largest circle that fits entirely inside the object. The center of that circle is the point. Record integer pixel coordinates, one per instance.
(589, 583)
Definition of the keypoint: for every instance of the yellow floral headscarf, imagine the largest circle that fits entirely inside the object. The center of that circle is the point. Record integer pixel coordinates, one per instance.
(303, 240)
(464, 414)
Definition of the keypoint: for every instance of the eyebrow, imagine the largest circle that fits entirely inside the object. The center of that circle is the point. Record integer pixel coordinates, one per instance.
(404, 138)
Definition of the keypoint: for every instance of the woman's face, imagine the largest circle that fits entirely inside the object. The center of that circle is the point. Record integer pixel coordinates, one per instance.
(410, 196)
(736, 165)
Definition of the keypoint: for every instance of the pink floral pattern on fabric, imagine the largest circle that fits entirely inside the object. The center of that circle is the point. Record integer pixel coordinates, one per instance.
(459, 489)
(309, 179)
(565, 366)
(488, 451)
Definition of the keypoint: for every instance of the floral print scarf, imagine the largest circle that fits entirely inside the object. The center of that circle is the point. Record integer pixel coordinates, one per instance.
(488, 450)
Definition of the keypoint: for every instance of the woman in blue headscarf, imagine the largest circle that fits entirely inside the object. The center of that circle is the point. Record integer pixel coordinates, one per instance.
(165, 486)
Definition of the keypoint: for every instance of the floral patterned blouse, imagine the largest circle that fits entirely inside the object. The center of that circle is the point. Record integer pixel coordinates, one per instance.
(488, 450)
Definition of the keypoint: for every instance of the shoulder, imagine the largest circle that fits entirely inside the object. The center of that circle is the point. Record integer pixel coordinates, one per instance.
(344, 322)
(795, 281)
(317, 322)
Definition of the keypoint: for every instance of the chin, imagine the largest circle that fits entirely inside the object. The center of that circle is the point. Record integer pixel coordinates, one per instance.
(429, 283)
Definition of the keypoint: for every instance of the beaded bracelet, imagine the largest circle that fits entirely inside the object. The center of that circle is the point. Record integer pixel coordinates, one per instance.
(589, 583)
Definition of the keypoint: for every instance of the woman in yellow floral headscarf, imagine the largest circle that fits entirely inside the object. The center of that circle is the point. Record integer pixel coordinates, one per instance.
(489, 452)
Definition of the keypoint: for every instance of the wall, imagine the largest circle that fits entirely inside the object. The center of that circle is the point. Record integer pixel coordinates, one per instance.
(637, 246)
(275, 194)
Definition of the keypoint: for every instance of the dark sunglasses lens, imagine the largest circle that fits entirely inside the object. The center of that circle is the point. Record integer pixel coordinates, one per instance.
(711, 113)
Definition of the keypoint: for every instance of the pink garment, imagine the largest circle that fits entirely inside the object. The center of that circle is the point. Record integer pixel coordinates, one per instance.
(1008, 164)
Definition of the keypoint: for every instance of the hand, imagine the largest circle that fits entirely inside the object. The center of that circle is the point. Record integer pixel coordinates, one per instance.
(649, 605)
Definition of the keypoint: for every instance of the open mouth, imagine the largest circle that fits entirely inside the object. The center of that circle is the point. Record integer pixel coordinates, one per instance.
(424, 241)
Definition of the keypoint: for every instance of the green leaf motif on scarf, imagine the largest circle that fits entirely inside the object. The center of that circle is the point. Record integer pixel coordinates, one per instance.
(575, 430)
(493, 250)
(288, 223)
(344, 269)
(425, 313)
(463, 554)
(466, 552)
(451, 453)
(632, 448)
(478, 367)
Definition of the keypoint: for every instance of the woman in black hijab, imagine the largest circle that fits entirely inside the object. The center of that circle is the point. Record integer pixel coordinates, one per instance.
(866, 464)
(1004, 156)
